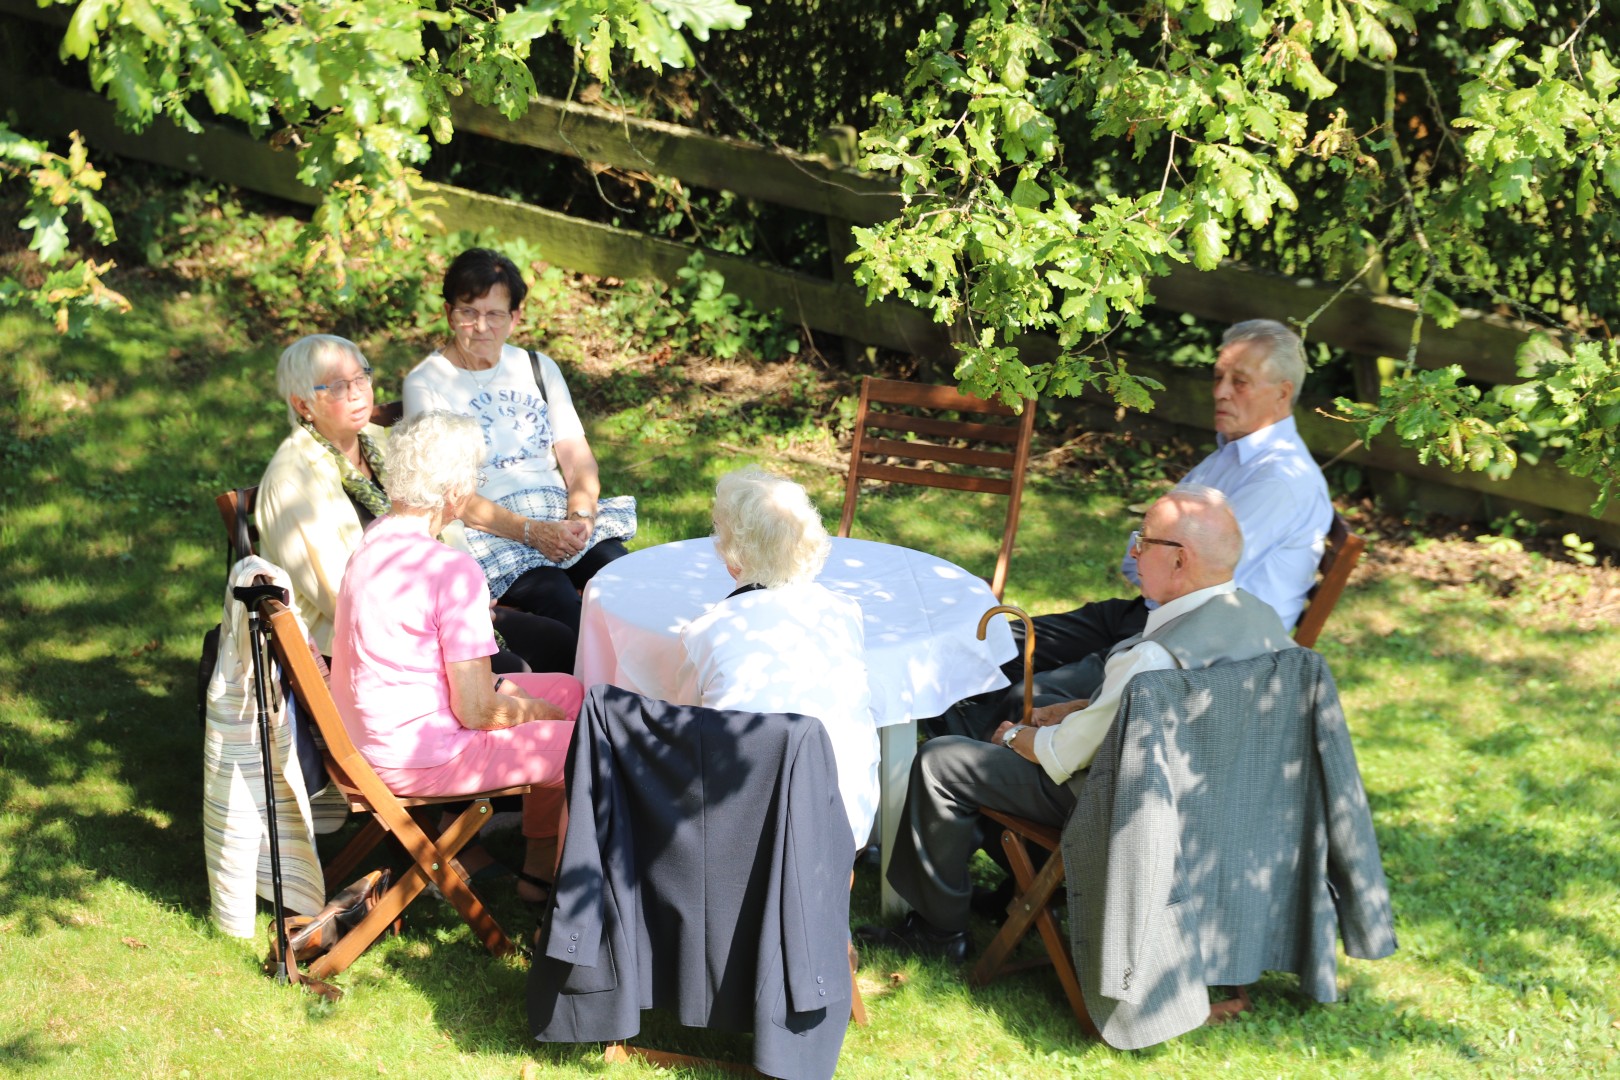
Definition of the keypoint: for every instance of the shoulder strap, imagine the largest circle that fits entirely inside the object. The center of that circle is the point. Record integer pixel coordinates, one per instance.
(540, 384)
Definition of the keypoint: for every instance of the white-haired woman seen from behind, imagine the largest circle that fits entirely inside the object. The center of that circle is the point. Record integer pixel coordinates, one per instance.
(411, 647)
(780, 642)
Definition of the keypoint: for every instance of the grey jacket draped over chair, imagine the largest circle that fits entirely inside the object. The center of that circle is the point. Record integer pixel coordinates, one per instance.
(1223, 831)
(705, 871)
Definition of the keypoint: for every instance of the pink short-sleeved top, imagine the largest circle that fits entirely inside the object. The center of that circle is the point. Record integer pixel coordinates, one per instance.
(408, 606)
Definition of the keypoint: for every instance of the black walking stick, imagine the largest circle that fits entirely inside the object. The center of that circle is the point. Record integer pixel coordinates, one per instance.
(283, 965)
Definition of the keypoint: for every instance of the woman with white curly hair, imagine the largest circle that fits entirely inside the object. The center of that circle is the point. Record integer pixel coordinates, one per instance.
(781, 642)
(411, 646)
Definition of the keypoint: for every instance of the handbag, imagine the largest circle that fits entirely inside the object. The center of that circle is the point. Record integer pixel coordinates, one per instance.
(312, 935)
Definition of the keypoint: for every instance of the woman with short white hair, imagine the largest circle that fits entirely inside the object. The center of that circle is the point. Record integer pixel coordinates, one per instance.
(324, 484)
(411, 646)
(781, 642)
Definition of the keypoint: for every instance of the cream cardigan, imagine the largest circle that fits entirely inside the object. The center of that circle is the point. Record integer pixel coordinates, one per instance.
(308, 526)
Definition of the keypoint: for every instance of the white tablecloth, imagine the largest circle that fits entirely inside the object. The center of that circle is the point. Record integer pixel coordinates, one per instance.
(921, 615)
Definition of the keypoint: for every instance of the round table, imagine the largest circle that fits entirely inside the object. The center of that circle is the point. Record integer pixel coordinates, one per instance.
(921, 614)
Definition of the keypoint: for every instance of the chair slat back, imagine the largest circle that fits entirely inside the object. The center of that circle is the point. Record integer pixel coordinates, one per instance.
(1340, 554)
(983, 448)
(236, 511)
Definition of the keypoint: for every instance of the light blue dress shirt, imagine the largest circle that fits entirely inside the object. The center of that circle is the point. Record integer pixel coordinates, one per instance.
(1280, 500)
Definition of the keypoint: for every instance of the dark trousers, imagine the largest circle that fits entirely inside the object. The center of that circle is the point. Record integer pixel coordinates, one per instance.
(554, 592)
(1066, 637)
(951, 780)
(533, 643)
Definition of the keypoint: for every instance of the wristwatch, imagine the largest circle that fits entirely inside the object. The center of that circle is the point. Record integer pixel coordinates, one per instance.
(1012, 733)
(582, 514)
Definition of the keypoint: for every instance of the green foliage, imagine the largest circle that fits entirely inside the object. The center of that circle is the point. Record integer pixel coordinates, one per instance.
(1577, 397)
(1569, 404)
(697, 314)
(61, 190)
(358, 89)
(1057, 157)
(248, 255)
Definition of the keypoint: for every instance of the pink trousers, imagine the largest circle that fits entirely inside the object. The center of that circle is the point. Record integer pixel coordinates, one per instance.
(526, 754)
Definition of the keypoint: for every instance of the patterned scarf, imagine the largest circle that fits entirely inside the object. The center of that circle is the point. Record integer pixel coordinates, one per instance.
(359, 487)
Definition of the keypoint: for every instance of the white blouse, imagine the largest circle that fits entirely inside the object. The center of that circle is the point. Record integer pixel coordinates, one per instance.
(796, 648)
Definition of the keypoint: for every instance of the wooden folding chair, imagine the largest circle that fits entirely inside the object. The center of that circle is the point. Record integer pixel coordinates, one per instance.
(979, 451)
(1032, 906)
(236, 511)
(1340, 553)
(390, 814)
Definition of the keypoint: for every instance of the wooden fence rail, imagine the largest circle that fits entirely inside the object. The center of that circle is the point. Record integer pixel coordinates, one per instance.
(1368, 326)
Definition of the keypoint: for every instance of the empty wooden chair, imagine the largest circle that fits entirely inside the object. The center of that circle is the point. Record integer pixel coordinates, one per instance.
(983, 448)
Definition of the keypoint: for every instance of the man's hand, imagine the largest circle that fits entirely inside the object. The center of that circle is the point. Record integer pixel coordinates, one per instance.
(1023, 744)
(1047, 715)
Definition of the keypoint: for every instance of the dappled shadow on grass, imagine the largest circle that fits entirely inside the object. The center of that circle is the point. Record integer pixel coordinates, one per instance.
(29, 1050)
(1029, 1006)
(103, 798)
(102, 610)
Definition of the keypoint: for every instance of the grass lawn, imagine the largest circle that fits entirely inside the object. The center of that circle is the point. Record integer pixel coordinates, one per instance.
(1486, 729)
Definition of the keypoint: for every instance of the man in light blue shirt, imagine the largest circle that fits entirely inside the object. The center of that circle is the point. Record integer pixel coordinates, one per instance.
(1274, 489)
(1272, 485)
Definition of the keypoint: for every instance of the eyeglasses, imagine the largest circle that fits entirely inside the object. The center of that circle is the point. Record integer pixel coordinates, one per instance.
(1138, 542)
(342, 388)
(466, 316)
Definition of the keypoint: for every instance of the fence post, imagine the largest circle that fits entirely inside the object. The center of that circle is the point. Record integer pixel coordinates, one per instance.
(838, 143)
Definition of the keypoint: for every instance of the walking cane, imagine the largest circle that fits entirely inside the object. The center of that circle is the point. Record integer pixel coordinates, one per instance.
(1029, 650)
(284, 965)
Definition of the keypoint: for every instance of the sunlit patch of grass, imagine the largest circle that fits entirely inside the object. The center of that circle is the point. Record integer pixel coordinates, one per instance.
(1486, 743)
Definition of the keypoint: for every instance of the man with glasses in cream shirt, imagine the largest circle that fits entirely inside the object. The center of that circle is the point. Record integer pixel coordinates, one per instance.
(1186, 551)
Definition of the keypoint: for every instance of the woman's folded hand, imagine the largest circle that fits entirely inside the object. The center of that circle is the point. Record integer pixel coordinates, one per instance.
(558, 540)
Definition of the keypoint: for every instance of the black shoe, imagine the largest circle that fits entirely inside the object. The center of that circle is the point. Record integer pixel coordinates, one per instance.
(915, 936)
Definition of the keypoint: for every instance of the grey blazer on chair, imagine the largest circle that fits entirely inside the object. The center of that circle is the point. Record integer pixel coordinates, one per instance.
(1222, 831)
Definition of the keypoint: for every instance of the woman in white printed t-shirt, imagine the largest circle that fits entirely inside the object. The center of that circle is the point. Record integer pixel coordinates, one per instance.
(544, 530)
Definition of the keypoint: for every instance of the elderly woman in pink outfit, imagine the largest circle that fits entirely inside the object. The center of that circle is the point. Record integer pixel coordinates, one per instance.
(411, 644)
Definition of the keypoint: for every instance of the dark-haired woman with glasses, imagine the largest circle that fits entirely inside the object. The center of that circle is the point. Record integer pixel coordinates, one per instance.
(325, 485)
(542, 529)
